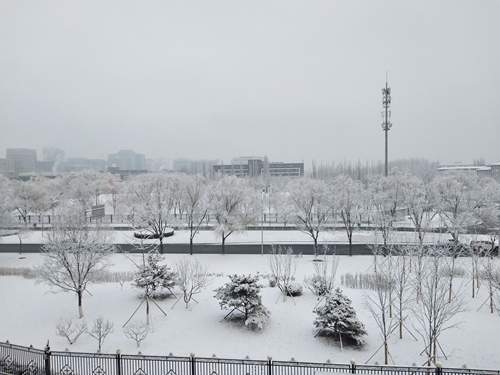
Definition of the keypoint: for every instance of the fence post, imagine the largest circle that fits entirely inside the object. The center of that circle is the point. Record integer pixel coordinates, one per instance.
(353, 366)
(118, 362)
(439, 368)
(193, 365)
(46, 358)
(269, 365)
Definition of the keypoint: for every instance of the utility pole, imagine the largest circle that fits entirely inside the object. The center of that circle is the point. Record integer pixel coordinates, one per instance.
(386, 125)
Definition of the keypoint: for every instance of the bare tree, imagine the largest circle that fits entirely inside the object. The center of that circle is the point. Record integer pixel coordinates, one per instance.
(434, 312)
(73, 254)
(136, 331)
(69, 330)
(322, 281)
(283, 265)
(192, 278)
(378, 302)
(403, 285)
(100, 330)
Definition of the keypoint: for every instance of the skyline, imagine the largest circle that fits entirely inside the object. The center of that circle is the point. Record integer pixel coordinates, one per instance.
(293, 81)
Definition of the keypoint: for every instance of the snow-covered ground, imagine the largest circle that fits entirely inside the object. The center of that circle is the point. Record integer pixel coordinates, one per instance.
(29, 313)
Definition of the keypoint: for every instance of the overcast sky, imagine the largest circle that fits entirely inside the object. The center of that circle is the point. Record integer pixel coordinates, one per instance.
(293, 80)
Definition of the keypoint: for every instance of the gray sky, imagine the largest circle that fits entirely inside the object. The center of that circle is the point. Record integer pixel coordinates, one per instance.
(293, 80)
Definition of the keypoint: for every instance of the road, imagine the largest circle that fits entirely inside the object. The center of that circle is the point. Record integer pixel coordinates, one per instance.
(341, 249)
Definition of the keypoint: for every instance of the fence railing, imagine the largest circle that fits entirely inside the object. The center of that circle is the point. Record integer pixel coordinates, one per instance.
(17, 360)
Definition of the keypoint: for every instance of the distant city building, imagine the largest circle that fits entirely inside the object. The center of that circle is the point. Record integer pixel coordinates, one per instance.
(127, 160)
(21, 160)
(194, 166)
(80, 164)
(182, 165)
(257, 167)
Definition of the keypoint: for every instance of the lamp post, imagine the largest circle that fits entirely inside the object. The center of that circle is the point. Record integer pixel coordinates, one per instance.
(262, 224)
(52, 206)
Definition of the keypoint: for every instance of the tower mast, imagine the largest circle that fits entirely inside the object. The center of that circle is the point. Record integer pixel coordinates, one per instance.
(386, 125)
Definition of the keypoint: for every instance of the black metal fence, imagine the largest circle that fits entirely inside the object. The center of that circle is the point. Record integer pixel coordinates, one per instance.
(19, 360)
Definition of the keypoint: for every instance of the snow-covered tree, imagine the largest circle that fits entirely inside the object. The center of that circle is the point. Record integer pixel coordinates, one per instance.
(192, 278)
(73, 254)
(386, 198)
(196, 204)
(417, 199)
(322, 281)
(100, 330)
(283, 266)
(83, 187)
(434, 312)
(379, 302)
(338, 317)
(6, 218)
(234, 206)
(150, 200)
(242, 294)
(151, 276)
(311, 207)
(349, 199)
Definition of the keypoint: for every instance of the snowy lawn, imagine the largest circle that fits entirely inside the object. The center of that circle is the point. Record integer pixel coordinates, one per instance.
(29, 314)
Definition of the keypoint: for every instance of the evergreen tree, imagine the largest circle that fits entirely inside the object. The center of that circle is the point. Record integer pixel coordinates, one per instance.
(152, 276)
(242, 294)
(337, 316)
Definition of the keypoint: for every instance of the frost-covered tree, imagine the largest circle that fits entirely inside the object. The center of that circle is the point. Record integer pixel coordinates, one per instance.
(283, 266)
(100, 330)
(191, 278)
(417, 199)
(349, 199)
(151, 276)
(322, 281)
(434, 312)
(386, 198)
(234, 206)
(379, 302)
(311, 207)
(6, 218)
(338, 317)
(73, 254)
(150, 201)
(242, 294)
(196, 204)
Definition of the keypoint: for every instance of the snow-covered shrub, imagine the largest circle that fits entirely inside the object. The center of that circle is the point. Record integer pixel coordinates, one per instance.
(152, 277)
(242, 294)
(71, 331)
(294, 289)
(338, 317)
(272, 282)
(316, 284)
(323, 280)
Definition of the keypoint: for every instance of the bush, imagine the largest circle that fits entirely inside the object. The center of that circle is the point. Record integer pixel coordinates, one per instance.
(294, 289)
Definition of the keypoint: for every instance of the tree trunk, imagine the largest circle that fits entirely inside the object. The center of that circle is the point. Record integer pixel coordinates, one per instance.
(161, 244)
(80, 309)
(223, 245)
(190, 245)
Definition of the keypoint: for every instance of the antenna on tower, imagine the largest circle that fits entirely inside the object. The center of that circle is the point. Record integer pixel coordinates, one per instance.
(386, 116)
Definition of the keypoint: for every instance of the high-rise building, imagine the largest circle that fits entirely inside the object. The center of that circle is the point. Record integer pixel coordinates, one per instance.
(21, 160)
(127, 160)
